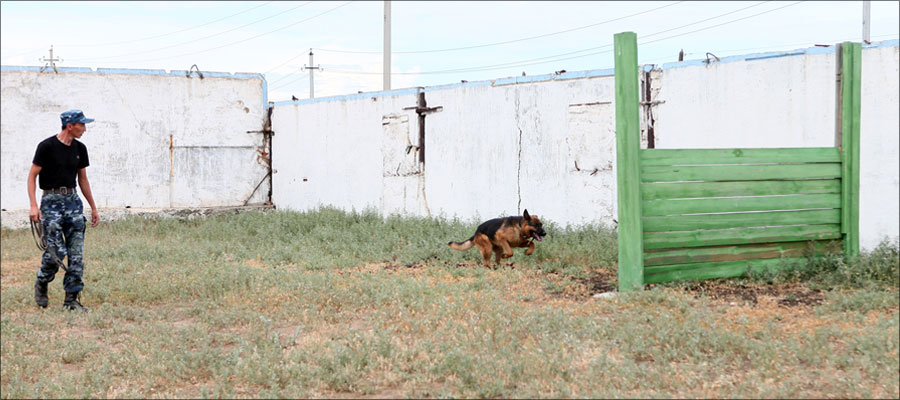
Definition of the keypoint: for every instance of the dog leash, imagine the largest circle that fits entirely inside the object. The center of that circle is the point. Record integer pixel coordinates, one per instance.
(37, 233)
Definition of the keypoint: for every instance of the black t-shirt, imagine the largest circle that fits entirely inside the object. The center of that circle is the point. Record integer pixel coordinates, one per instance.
(59, 163)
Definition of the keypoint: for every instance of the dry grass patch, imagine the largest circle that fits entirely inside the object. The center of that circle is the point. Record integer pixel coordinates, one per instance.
(16, 272)
(211, 308)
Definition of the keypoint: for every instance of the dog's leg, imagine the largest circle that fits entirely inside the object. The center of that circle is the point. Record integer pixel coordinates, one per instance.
(484, 246)
(530, 248)
(497, 255)
(507, 251)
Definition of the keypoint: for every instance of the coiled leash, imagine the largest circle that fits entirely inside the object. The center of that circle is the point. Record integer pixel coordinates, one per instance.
(37, 233)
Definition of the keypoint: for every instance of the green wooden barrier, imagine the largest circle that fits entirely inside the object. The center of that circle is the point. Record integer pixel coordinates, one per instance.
(851, 58)
(714, 213)
(628, 144)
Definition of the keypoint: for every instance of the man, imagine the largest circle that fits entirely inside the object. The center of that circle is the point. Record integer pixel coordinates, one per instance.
(58, 160)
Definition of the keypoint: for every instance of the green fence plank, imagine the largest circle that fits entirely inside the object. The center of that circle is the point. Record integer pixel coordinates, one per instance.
(676, 190)
(738, 156)
(628, 143)
(740, 220)
(851, 58)
(691, 255)
(669, 240)
(738, 204)
(739, 172)
(725, 269)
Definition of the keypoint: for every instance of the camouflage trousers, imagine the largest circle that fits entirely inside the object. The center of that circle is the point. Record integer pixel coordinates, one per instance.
(64, 223)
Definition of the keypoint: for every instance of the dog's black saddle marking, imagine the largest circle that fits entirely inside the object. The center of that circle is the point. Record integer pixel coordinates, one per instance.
(491, 226)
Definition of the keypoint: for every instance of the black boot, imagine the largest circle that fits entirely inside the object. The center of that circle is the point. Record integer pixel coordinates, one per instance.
(40, 293)
(72, 303)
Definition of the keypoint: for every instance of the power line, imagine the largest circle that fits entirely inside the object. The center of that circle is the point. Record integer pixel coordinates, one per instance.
(504, 42)
(23, 54)
(171, 33)
(711, 18)
(655, 59)
(195, 40)
(475, 46)
(522, 63)
(724, 23)
(777, 46)
(773, 47)
(146, 38)
(301, 76)
(287, 61)
(242, 40)
(282, 78)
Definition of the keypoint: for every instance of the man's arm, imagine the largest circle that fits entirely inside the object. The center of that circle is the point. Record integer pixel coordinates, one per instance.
(86, 191)
(35, 213)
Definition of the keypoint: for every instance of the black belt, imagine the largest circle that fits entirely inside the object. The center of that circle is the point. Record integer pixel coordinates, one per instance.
(62, 190)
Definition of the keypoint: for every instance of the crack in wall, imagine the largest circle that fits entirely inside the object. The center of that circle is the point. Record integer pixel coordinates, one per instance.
(519, 176)
(519, 161)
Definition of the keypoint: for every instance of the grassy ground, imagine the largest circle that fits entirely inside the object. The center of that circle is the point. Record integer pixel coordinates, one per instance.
(334, 304)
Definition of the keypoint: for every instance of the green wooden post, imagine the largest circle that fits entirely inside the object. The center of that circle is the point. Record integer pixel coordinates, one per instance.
(851, 58)
(628, 143)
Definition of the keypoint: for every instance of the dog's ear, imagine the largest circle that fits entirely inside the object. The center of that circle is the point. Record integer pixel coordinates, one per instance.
(525, 214)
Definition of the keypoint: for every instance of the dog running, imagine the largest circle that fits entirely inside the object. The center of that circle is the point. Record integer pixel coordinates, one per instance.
(501, 235)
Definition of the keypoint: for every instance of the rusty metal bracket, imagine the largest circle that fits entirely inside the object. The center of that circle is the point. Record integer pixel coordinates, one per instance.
(425, 110)
(422, 110)
(268, 176)
(647, 103)
(194, 67)
(264, 154)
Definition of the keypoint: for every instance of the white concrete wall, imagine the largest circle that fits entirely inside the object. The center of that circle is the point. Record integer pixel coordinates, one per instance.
(761, 101)
(494, 148)
(498, 147)
(879, 153)
(544, 143)
(214, 161)
(336, 151)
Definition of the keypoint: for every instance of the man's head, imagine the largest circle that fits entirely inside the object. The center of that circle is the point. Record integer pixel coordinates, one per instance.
(74, 121)
(74, 117)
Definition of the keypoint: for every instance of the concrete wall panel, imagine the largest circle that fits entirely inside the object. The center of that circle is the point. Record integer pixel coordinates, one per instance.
(160, 140)
(330, 152)
(879, 163)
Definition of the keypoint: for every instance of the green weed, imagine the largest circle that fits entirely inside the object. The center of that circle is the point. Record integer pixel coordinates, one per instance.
(879, 267)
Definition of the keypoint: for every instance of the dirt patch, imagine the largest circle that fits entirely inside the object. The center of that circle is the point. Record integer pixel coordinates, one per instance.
(786, 295)
(604, 280)
(600, 280)
(397, 267)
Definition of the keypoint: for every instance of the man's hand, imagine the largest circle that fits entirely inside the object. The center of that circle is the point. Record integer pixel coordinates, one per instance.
(95, 218)
(35, 213)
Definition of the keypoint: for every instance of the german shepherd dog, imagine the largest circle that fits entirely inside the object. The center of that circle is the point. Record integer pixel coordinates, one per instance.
(501, 235)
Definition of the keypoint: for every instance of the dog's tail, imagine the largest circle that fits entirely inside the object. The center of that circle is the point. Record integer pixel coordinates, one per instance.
(462, 246)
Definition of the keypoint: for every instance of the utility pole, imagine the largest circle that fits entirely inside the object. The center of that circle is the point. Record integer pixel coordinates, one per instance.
(311, 68)
(51, 62)
(867, 21)
(387, 45)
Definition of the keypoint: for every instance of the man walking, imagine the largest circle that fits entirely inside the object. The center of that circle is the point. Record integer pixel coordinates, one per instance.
(58, 161)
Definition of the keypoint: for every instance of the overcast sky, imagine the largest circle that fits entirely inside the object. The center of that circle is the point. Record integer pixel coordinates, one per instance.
(433, 43)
